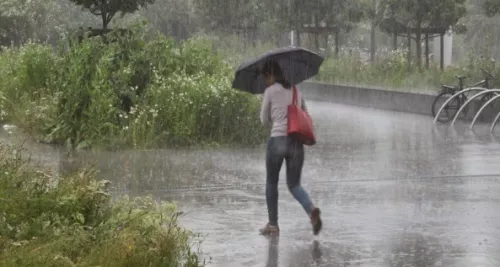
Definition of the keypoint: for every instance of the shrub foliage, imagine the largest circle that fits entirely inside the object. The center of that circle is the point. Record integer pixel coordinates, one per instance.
(126, 91)
(46, 220)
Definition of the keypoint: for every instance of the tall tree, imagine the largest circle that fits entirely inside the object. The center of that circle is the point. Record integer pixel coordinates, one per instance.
(107, 9)
(374, 13)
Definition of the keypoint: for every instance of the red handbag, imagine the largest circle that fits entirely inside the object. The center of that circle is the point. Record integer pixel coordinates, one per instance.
(300, 125)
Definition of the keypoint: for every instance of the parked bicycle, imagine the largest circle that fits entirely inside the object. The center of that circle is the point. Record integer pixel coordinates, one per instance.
(451, 109)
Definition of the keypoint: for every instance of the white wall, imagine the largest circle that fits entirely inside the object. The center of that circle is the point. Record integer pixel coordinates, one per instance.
(448, 48)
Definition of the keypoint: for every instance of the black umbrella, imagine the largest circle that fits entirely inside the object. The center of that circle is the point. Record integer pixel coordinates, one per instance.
(298, 64)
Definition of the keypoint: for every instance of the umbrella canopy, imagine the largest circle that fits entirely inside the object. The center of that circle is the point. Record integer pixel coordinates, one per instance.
(298, 64)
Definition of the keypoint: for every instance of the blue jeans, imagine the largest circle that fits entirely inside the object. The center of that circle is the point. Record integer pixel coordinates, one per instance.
(279, 149)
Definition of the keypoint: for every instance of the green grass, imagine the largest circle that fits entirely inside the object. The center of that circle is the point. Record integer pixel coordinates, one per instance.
(181, 94)
(52, 221)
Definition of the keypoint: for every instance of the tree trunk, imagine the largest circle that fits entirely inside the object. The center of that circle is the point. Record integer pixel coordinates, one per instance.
(409, 51)
(245, 45)
(316, 41)
(104, 16)
(253, 34)
(372, 43)
(395, 41)
(373, 47)
(418, 41)
(337, 43)
(441, 54)
(427, 50)
(175, 30)
(327, 47)
(104, 22)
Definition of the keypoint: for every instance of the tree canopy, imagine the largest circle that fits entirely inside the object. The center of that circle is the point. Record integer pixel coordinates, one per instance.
(231, 14)
(107, 9)
(416, 17)
(491, 7)
(342, 16)
(422, 14)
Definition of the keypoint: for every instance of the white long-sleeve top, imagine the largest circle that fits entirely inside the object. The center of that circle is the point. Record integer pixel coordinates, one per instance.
(274, 109)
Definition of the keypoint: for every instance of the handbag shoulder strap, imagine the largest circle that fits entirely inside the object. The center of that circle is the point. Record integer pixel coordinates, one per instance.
(294, 100)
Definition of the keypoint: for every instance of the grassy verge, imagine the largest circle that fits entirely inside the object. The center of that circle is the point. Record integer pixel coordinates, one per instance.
(133, 92)
(392, 72)
(72, 221)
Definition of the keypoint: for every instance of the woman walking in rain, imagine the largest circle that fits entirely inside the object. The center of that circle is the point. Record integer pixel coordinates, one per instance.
(281, 147)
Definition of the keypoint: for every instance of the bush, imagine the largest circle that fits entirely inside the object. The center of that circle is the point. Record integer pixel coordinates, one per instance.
(72, 221)
(127, 92)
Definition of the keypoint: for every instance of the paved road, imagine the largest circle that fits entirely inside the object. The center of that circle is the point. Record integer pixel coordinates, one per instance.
(394, 189)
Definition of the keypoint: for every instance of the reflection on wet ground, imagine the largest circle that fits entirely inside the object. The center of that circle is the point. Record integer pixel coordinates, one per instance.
(395, 190)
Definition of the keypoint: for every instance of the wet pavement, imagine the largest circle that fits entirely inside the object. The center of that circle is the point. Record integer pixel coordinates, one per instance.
(394, 189)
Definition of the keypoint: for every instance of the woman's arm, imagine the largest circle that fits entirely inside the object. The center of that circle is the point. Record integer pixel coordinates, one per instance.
(265, 110)
(302, 100)
(304, 107)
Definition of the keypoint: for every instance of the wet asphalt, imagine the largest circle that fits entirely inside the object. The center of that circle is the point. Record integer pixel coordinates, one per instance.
(394, 189)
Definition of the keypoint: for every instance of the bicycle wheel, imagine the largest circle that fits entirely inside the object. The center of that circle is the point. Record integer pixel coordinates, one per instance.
(449, 110)
(488, 111)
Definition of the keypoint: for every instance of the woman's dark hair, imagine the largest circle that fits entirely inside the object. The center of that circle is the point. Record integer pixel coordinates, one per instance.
(272, 67)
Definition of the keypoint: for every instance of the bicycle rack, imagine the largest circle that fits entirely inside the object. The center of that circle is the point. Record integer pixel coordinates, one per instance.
(481, 110)
(455, 95)
(494, 123)
(470, 100)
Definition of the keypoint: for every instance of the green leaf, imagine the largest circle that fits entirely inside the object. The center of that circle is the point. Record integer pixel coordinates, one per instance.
(79, 218)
